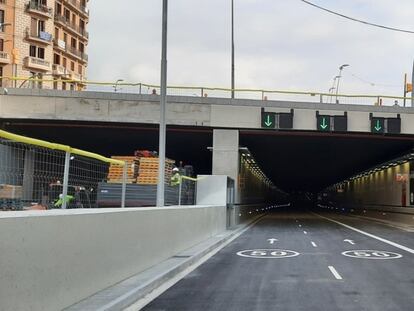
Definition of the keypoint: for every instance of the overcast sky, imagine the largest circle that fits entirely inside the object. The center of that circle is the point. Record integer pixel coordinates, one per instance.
(280, 44)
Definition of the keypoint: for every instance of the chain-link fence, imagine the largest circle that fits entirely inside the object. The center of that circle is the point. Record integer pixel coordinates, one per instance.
(37, 175)
(213, 92)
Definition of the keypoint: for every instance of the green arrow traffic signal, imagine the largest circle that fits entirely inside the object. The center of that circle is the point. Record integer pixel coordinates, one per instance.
(378, 126)
(323, 125)
(268, 120)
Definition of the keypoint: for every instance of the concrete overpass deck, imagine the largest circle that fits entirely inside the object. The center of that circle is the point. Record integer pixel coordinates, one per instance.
(195, 111)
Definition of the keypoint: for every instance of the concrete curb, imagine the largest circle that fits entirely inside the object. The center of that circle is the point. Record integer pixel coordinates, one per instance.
(129, 291)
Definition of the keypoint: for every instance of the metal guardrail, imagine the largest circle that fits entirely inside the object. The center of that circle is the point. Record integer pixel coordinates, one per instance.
(218, 92)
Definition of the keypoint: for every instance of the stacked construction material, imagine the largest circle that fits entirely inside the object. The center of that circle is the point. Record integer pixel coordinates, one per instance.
(148, 171)
(116, 171)
(10, 197)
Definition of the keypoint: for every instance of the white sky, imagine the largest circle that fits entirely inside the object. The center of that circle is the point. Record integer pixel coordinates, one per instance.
(280, 44)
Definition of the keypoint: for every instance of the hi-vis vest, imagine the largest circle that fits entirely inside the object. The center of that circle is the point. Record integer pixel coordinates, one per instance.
(176, 179)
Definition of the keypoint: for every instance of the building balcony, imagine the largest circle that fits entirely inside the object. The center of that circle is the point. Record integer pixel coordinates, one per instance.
(68, 25)
(37, 63)
(60, 44)
(39, 9)
(76, 5)
(4, 58)
(3, 2)
(78, 77)
(58, 70)
(41, 37)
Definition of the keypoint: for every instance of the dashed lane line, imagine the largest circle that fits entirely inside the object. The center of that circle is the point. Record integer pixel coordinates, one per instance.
(335, 273)
(314, 244)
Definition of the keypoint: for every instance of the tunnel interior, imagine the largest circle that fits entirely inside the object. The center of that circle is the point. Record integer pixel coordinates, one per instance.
(294, 161)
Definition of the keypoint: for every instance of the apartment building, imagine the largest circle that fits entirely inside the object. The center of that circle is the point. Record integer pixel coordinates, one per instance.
(44, 39)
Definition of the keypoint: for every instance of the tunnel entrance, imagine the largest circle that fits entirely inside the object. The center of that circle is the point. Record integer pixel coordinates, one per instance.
(294, 161)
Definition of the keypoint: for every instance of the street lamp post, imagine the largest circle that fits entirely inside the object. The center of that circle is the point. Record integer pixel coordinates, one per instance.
(412, 91)
(232, 50)
(116, 84)
(339, 78)
(163, 102)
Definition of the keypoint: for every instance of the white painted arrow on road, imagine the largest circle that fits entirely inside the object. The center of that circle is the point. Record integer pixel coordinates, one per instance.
(272, 241)
(349, 241)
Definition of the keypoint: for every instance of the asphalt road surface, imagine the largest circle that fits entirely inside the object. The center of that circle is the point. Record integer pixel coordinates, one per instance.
(312, 263)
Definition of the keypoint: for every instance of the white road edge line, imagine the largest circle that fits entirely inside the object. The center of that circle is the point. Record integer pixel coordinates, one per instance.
(335, 273)
(138, 305)
(314, 244)
(305, 232)
(405, 248)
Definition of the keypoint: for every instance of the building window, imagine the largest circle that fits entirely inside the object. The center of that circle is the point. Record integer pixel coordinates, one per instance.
(64, 62)
(80, 69)
(81, 47)
(67, 15)
(82, 24)
(40, 26)
(40, 2)
(2, 45)
(73, 43)
(56, 59)
(63, 85)
(32, 52)
(37, 52)
(72, 66)
(41, 53)
(1, 75)
(57, 33)
(2, 20)
(58, 8)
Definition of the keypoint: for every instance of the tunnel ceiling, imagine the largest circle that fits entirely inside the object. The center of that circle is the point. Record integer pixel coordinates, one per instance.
(295, 161)
(312, 161)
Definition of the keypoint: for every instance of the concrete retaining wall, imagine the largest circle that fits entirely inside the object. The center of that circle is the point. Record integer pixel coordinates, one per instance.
(50, 260)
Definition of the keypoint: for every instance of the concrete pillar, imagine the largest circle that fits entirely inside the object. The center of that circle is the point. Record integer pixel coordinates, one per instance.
(226, 156)
(28, 175)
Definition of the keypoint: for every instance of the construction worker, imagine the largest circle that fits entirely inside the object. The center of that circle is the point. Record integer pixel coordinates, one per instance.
(176, 177)
(59, 203)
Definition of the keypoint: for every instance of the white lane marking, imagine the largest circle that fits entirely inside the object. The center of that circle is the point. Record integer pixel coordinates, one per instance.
(267, 253)
(372, 254)
(314, 244)
(305, 232)
(300, 226)
(405, 248)
(349, 241)
(272, 241)
(335, 273)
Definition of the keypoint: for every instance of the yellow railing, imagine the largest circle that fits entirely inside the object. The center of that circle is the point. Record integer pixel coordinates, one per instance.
(53, 146)
(262, 93)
